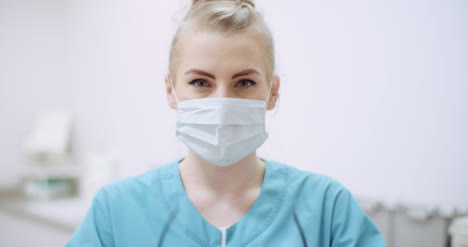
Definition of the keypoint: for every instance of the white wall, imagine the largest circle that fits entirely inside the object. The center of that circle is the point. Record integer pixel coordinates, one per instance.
(372, 92)
(373, 95)
(33, 67)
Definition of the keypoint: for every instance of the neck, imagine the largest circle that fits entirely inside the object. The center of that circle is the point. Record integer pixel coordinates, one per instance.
(241, 176)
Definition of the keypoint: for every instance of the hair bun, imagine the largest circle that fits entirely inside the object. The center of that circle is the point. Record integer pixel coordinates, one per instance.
(249, 2)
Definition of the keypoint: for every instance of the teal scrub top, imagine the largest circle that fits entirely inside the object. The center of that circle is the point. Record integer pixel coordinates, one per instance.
(294, 208)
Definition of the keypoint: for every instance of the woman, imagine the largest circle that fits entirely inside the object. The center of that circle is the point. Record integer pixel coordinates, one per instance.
(221, 81)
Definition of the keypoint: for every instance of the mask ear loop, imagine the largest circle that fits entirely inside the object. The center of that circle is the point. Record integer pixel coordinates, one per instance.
(269, 93)
(173, 90)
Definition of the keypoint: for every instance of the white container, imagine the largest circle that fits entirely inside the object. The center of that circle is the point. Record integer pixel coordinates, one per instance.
(459, 232)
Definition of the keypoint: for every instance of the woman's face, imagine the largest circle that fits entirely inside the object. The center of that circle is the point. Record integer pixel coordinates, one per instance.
(209, 64)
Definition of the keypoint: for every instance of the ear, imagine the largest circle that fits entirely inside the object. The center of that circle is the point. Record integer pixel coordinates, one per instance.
(274, 94)
(171, 98)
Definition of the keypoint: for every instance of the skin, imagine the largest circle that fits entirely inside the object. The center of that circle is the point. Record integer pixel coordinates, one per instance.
(222, 195)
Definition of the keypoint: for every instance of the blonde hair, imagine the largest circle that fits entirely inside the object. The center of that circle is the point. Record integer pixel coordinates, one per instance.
(227, 17)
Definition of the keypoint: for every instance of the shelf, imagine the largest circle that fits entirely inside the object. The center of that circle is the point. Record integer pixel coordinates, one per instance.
(70, 171)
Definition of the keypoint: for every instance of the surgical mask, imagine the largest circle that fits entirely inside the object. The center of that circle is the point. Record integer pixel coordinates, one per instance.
(221, 131)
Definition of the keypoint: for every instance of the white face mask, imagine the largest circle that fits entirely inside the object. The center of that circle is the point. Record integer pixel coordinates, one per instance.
(222, 130)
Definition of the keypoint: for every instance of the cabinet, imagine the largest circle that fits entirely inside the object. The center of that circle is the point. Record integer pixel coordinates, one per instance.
(19, 231)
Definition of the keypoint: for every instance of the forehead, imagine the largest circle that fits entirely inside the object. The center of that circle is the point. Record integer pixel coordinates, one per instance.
(220, 52)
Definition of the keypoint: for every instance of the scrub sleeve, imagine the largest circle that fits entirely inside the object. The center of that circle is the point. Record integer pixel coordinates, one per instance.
(96, 227)
(350, 224)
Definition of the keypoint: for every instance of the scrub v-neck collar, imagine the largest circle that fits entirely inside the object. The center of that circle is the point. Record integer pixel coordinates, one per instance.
(184, 214)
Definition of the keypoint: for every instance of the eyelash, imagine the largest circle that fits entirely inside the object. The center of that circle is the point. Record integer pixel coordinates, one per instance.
(194, 82)
(253, 83)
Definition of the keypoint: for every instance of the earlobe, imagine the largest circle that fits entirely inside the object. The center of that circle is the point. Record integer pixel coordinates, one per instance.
(274, 93)
(171, 101)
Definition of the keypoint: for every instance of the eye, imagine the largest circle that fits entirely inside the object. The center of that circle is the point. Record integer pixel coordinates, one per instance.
(245, 83)
(199, 83)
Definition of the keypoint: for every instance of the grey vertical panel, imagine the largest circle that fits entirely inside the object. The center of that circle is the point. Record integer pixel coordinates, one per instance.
(419, 226)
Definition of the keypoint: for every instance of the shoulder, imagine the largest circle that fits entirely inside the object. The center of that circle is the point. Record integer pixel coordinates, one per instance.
(137, 186)
(303, 181)
(318, 196)
(314, 191)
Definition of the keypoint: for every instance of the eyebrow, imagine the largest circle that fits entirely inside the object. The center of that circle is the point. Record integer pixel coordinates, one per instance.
(243, 72)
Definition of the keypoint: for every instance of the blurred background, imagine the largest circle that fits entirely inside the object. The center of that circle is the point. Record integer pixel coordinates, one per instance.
(373, 94)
